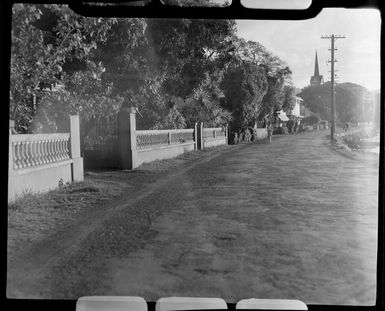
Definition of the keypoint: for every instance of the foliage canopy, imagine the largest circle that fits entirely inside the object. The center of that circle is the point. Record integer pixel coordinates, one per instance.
(175, 71)
(353, 102)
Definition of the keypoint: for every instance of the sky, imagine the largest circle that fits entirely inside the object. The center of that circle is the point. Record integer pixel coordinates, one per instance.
(295, 42)
(277, 4)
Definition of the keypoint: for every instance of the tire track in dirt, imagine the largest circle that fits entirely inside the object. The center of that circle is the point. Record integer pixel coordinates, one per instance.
(88, 271)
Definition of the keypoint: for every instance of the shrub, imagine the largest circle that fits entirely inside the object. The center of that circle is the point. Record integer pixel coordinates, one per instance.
(280, 130)
(312, 119)
(247, 136)
(234, 139)
(353, 141)
(290, 125)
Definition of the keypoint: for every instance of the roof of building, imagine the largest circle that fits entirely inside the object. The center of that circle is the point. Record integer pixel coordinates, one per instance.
(282, 115)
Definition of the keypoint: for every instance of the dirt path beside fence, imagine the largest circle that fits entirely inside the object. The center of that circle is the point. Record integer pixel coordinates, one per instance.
(292, 219)
(44, 229)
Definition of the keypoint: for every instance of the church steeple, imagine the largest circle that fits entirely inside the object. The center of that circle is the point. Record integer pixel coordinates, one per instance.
(316, 71)
(317, 79)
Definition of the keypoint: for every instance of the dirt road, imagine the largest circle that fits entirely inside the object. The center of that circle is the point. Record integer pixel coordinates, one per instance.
(292, 219)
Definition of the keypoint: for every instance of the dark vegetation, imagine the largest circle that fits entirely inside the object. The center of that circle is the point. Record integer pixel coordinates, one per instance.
(312, 119)
(175, 71)
(354, 103)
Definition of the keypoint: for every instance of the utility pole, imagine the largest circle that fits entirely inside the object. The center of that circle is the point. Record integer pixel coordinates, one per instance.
(333, 94)
(356, 97)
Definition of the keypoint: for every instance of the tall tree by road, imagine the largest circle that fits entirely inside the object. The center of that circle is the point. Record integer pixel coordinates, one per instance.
(353, 102)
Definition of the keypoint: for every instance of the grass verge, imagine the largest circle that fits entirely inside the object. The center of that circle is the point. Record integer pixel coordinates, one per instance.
(35, 216)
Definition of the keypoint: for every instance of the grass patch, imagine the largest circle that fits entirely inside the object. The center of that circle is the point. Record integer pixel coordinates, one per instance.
(179, 161)
(358, 140)
(70, 197)
(83, 189)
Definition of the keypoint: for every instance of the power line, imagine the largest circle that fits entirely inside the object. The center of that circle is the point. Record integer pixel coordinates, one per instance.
(332, 75)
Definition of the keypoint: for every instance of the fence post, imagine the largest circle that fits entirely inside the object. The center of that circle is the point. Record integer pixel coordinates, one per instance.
(127, 137)
(77, 160)
(200, 136)
(10, 162)
(196, 136)
(227, 134)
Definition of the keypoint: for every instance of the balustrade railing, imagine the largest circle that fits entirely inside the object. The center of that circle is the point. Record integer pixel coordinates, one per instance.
(213, 133)
(30, 150)
(153, 138)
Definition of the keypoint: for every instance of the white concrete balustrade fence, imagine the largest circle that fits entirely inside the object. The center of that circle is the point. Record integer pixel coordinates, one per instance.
(153, 138)
(154, 145)
(38, 149)
(141, 146)
(42, 162)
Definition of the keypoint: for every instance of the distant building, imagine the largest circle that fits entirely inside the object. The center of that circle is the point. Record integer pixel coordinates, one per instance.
(295, 112)
(316, 79)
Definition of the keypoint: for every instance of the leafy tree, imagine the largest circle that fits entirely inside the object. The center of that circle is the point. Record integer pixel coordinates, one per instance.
(278, 75)
(185, 49)
(251, 51)
(312, 119)
(354, 103)
(173, 120)
(47, 41)
(317, 99)
(204, 104)
(351, 101)
(275, 95)
(28, 66)
(181, 54)
(244, 87)
(123, 54)
(288, 98)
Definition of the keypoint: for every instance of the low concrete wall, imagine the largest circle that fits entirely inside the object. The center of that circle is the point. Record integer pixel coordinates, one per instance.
(163, 152)
(260, 133)
(41, 162)
(38, 179)
(207, 143)
(140, 146)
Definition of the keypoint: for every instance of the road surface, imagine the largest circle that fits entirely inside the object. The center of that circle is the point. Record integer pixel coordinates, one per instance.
(294, 219)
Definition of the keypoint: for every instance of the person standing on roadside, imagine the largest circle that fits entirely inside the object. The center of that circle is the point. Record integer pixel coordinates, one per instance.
(316, 128)
(269, 131)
